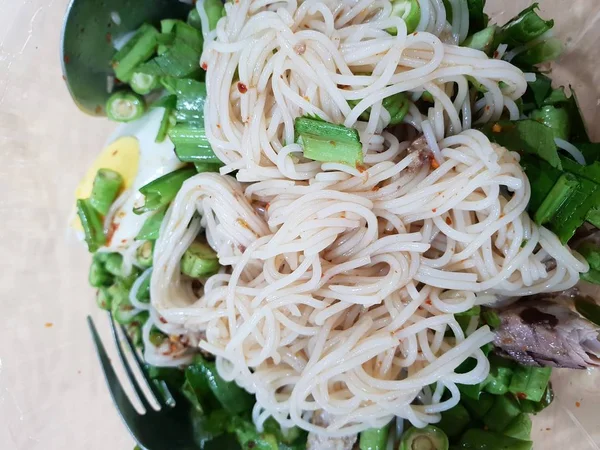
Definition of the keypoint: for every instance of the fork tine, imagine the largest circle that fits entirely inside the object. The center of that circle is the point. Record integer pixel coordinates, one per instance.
(116, 390)
(158, 395)
(132, 378)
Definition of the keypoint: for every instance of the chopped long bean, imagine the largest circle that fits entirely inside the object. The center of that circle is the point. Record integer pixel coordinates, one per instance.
(137, 50)
(99, 276)
(163, 190)
(107, 185)
(125, 106)
(199, 261)
(151, 227)
(328, 142)
(143, 83)
(92, 225)
(215, 9)
(143, 254)
(409, 11)
(429, 437)
(374, 438)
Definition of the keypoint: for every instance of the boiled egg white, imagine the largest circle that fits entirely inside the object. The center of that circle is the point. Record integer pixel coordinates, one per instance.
(132, 152)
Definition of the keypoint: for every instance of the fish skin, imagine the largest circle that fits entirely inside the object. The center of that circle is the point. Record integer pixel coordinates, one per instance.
(544, 332)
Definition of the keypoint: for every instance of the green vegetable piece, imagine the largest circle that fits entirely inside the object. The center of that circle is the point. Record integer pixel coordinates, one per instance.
(169, 103)
(193, 19)
(91, 222)
(575, 209)
(519, 428)
(524, 28)
(143, 83)
(491, 318)
(125, 106)
(428, 438)
(454, 421)
(202, 167)
(327, 142)
(191, 96)
(478, 20)
(542, 178)
(121, 308)
(525, 137)
(578, 129)
(482, 40)
(544, 51)
(215, 9)
(249, 438)
(557, 97)
(397, 105)
(103, 298)
(588, 308)
(162, 191)
(232, 398)
(179, 58)
(591, 253)
(555, 118)
(593, 215)
(143, 293)
(199, 261)
(143, 254)
(530, 382)
(409, 11)
(537, 92)
(502, 412)
(191, 144)
(114, 264)
(478, 407)
(565, 187)
(107, 185)
(98, 276)
(137, 50)
(151, 227)
(374, 438)
(134, 328)
(501, 372)
(476, 439)
(529, 407)
(157, 337)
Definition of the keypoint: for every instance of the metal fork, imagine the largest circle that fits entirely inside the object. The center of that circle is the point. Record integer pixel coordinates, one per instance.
(170, 428)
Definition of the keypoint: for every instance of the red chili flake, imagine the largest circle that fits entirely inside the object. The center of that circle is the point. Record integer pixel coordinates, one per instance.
(204, 66)
(361, 168)
(448, 220)
(415, 33)
(162, 319)
(108, 37)
(98, 109)
(48, 324)
(111, 231)
(548, 429)
(123, 241)
(577, 404)
(242, 87)
(375, 188)
(434, 210)
(496, 54)
(428, 302)
(218, 126)
(67, 59)
(521, 395)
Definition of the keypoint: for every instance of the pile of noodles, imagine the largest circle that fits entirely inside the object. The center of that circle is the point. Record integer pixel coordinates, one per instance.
(340, 284)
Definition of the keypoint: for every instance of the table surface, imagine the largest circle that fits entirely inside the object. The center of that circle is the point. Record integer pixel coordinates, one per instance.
(52, 394)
